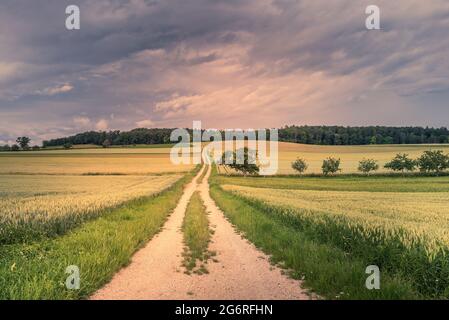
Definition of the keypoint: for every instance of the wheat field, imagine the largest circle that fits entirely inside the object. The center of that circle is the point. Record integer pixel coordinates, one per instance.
(349, 155)
(422, 215)
(91, 161)
(403, 232)
(33, 205)
(46, 193)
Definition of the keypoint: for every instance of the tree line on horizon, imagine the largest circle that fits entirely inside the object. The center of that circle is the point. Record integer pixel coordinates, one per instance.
(339, 135)
(319, 135)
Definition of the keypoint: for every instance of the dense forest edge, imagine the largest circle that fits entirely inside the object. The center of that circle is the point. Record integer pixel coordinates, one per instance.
(318, 135)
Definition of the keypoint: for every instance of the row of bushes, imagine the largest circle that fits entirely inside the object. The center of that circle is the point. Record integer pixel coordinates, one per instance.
(23, 143)
(16, 147)
(429, 162)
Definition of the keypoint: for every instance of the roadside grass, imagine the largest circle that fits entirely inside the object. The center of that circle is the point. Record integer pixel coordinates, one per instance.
(326, 269)
(373, 183)
(99, 248)
(196, 236)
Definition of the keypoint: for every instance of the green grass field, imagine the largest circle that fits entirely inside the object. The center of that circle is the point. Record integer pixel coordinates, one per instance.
(344, 183)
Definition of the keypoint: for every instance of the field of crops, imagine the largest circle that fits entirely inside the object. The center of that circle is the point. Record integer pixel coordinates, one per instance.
(397, 223)
(91, 161)
(421, 215)
(100, 247)
(46, 193)
(372, 183)
(91, 207)
(325, 229)
(349, 155)
(48, 205)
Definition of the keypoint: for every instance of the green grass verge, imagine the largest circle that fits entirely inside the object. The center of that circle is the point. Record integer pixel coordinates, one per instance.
(99, 248)
(344, 183)
(196, 236)
(327, 269)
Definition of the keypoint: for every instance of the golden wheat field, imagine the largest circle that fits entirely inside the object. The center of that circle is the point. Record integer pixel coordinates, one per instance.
(111, 150)
(49, 192)
(349, 155)
(48, 203)
(89, 161)
(420, 214)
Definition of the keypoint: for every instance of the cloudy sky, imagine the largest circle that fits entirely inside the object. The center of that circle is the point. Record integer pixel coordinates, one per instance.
(229, 63)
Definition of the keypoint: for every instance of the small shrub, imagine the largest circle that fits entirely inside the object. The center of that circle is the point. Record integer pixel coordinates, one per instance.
(401, 162)
(299, 165)
(6, 147)
(331, 166)
(368, 165)
(106, 143)
(433, 161)
(244, 161)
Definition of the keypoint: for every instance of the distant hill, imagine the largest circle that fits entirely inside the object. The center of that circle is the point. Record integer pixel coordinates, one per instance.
(321, 135)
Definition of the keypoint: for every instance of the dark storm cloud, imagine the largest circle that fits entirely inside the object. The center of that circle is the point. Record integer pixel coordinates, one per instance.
(112, 29)
(165, 61)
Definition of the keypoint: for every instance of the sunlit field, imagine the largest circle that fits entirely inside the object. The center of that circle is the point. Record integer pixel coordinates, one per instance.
(349, 155)
(81, 149)
(100, 247)
(91, 161)
(46, 193)
(423, 215)
(45, 205)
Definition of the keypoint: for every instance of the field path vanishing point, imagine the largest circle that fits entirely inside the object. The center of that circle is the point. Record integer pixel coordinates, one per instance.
(242, 271)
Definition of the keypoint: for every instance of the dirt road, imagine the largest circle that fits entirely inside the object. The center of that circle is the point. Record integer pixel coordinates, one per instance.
(242, 271)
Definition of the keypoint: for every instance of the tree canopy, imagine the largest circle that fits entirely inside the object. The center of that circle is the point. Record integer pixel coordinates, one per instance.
(339, 135)
(243, 160)
(320, 135)
(401, 162)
